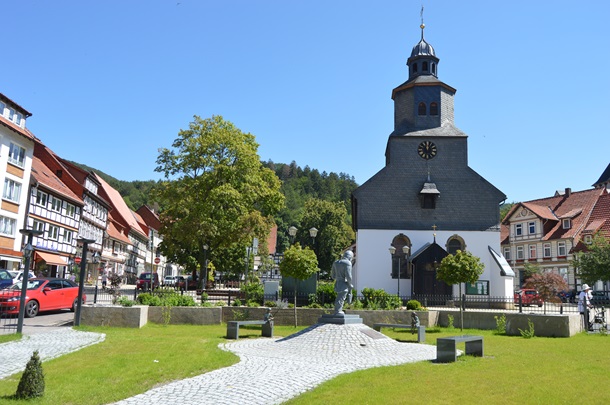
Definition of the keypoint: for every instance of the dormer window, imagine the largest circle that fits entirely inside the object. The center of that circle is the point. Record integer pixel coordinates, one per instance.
(421, 109)
(428, 195)
(588, 239)
(567, 223)
(434, 109)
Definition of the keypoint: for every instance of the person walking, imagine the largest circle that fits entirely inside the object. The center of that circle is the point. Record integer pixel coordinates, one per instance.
(584, 303)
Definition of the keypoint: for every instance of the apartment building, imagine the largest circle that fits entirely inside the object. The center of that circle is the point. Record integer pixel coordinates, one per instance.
(16, 151)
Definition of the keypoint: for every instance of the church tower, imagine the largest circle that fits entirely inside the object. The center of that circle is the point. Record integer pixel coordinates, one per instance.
(426, 199)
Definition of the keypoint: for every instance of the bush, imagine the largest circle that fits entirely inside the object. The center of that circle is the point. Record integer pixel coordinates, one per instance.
(379, 299)
(125, 302)
(326, 294)
(31, 384)
(254, 292)
(500, 324)
(166, 298)
(414, 305)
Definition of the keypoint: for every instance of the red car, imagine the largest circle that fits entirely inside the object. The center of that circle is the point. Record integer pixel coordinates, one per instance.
(529, 297)
(43, 294)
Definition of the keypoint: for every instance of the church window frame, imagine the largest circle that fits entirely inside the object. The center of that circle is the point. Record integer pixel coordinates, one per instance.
(433, 68)
(424, 66)
(414, 68)
(455, 243)
(406, 272)
(421, 109)
(434, 108)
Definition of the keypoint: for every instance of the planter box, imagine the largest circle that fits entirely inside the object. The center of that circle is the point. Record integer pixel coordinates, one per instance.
(125, 317)
(186, 315)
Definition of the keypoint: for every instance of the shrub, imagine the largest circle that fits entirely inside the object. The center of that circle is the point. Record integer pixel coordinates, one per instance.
(414, 305)
(529, 332)
(500, 324)
(253, 292)
(379, 299)
(326, 293)
(125, 302)
(237, 302)
(31, 384)
(149, 299)
(450, 321)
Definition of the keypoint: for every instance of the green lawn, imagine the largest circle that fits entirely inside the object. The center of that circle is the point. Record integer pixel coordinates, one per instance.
(514, 369)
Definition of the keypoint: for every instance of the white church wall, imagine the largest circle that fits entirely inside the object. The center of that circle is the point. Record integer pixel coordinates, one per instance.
(374, 262)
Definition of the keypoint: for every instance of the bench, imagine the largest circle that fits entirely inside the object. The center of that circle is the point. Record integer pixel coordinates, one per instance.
(233, 328)
(421, 330)
(446, 351)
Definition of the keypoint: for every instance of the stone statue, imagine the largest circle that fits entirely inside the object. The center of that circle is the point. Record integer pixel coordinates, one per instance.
(342, 274)
(414, 322)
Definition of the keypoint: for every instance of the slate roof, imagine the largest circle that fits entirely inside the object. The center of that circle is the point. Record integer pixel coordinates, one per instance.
(447, 129)
(604, 179)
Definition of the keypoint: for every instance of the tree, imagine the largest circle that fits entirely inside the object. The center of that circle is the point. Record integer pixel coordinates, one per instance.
(299, 264)
(547, 284)
(334, 234)
(593, 264)
(463, 267)
(215, 192)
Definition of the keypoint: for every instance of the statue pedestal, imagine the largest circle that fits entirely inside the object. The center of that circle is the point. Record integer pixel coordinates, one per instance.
(340, 319)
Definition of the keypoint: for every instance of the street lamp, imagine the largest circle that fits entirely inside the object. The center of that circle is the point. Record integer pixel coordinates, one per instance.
(292, 231)
(405, 251)
(28, 249)
(392, 253)
(81, 278)
(205, 263)
(313, 232)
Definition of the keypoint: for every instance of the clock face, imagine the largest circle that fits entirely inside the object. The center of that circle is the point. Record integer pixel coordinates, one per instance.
(426, 150)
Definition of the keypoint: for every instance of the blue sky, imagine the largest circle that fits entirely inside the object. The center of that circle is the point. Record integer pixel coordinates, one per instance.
(109, 82)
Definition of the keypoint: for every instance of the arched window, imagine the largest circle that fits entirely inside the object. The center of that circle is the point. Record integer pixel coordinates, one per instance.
(421, 108)
(414, 68)
(400, 260)
(455, 243)
(433, 65)
(424, 66)
(433, 109)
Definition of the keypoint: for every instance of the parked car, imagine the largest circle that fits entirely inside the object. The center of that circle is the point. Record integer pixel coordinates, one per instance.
(188, 281)
(18, 275)
(529, 296)
(6, 280)
(143, 282)
(43, 294)
(169, 281)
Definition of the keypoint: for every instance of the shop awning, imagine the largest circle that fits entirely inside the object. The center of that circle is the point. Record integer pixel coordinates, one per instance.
(52, 258)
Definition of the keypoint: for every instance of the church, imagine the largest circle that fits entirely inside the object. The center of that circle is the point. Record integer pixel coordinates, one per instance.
(426, 202)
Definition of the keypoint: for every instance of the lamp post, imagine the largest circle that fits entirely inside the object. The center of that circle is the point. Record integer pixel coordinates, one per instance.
(81, 278)
(405, 251)
(313, 232)
(392, 253)
(28, 249)
(205, 263)
(292, 231)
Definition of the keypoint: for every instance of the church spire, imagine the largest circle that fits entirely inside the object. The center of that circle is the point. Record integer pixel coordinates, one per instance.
(423, 60)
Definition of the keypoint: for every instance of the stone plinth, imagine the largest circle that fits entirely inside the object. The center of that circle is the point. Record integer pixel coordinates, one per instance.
(127, 317)
(340, 319)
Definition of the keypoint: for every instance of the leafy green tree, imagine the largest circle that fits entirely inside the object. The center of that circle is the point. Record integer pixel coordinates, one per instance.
(593, 264)
(215, 192)
(463, 267)
(334, 234)
(299, 264)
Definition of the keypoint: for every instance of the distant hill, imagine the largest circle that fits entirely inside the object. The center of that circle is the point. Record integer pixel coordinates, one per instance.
(135, 193)
(298, 185)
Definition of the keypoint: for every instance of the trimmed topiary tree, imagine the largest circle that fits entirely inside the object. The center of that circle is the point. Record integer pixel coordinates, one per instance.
(31, 384)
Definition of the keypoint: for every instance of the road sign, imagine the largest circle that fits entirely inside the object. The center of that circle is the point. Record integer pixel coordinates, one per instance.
(77, 260)
(157, 260)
